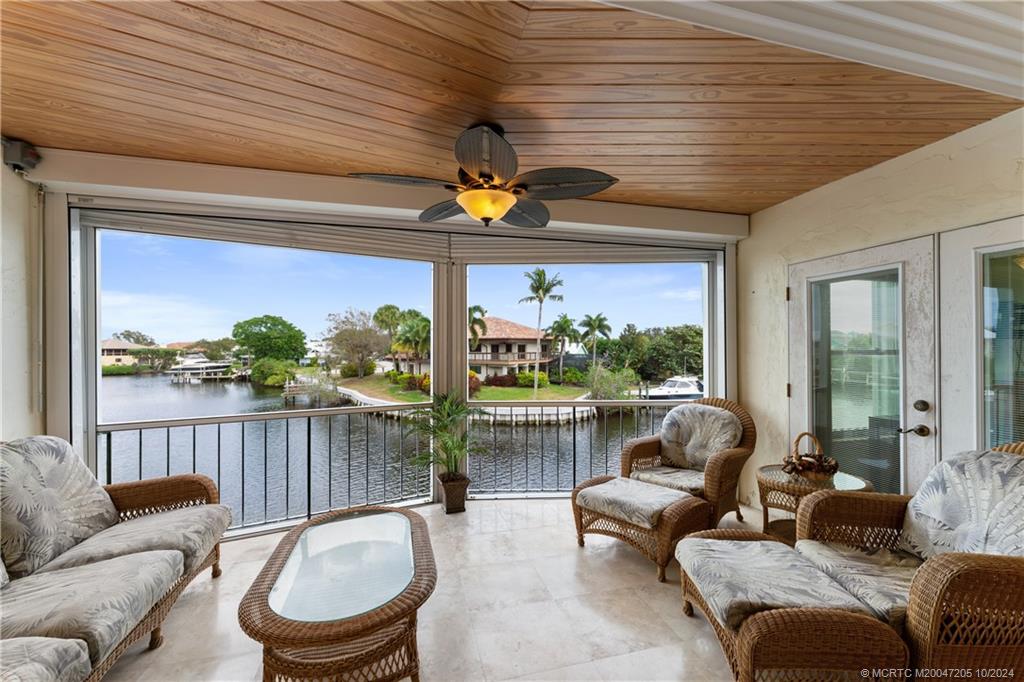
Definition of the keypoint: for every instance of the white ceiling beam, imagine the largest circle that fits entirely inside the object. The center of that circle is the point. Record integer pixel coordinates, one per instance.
(947, 42)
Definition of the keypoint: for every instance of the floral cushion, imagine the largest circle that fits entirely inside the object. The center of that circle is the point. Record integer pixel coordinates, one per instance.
(44, 659)
(688, 480)
(193, 531)
(879, 578)
(691, 433)
(49, 502)
(631, 501)
(737, 579)
(99, 603)
(973, 502)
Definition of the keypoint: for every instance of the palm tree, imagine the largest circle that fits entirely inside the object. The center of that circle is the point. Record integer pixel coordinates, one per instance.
(413, 337)
(477, 325)
(563, 331)
(387, 318)
(541, 288)
(594, 326)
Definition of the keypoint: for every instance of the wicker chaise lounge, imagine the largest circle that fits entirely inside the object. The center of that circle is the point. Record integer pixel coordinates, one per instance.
(718, 481)
(952, 608)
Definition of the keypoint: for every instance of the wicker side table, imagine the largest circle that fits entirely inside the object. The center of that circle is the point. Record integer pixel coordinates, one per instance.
(779, 490)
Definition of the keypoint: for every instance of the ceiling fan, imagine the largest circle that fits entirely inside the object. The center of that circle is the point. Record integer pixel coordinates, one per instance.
(489, 189)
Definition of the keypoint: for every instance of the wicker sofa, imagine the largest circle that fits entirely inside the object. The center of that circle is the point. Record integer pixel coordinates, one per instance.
(718, 482)
(949, 610)
(87, 569)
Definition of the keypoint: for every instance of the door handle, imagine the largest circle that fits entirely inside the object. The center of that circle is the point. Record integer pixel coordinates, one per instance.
(919, 430)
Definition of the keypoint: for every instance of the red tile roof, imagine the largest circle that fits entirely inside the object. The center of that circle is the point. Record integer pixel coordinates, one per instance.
(499, 328)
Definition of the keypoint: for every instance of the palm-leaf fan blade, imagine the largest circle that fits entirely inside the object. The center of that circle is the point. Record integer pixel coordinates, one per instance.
(562, 183)
(527, 213)
(483, 152)
(446, 209)
(406, 180)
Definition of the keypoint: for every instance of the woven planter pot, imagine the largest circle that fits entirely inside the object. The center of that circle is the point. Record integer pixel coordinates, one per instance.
(453, 494)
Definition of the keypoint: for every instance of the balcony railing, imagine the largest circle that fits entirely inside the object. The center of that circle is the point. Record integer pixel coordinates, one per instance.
(548, 447)
(277, 467)
(281, 466)
(530, 356)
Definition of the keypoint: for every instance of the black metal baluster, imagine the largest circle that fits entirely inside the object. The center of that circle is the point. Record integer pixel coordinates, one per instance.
(384, 440)
(348, 460)
(218, 455)
(366, 439)
(542, 449)
(110, 457)
(330, 462)
(401, 458)
(243, 477)
(309, 467)
(558, 448)
(167, 453)
(140, 454)
(592, 432)
(193, 448)
(526, 435)
(266, 428)
(287, 469)
(494, 451)
(511, 447)
(573, 447)
(606, 441)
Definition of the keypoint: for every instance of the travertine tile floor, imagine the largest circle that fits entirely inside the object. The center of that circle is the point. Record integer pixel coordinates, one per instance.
(515, 599)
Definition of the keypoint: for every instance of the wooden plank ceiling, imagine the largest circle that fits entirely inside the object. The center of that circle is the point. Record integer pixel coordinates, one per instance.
(685, 116)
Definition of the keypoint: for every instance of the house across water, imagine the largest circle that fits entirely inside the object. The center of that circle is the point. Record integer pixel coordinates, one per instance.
(508, 347)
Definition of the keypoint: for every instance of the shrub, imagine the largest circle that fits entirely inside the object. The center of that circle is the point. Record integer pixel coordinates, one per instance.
(525, 379)
(573, 376)
(424, 383)
(271, 372)
(350, 369)
(607, 384)
(392, 375)
(118, 370)
(504, 380)
(410, 382)
(474, 383)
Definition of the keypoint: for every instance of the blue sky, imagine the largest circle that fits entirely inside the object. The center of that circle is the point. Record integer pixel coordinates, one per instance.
(178, 289)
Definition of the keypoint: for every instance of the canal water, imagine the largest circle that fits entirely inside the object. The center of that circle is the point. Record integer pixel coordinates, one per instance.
(261, 467)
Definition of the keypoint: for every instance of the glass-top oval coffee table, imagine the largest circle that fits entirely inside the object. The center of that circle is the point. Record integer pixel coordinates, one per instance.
(337, 600)
(779, 490)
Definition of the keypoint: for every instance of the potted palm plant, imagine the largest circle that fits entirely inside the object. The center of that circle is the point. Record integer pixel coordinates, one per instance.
(445, 425)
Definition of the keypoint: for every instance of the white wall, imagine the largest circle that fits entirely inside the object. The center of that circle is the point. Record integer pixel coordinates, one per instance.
(19, 309)
(971, 177)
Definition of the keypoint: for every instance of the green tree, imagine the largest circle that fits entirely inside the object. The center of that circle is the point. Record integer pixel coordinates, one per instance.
(674, 350)
(158, 359)
(272, 372)
(607, 384)
(215, 349)
(563, 331)
(387, 318)
(270, 336)
(413, 337)
(542, 289)
(594, 327)
(135, 337)
(354, 338)
(477, 325)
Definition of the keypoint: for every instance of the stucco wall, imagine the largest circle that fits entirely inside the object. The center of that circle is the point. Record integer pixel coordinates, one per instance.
(971, 177)
(19, 309)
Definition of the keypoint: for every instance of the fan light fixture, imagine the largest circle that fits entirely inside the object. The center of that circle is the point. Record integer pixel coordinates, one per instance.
(486, 205)
(488, 187)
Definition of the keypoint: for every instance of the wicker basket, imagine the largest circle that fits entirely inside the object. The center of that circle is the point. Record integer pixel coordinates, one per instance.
(813, 465)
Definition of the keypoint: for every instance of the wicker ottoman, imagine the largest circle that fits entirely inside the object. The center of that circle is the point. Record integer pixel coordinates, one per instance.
(649, 517)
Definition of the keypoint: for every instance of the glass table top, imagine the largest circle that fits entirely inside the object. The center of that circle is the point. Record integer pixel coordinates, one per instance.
(840, 481)
(344, 568)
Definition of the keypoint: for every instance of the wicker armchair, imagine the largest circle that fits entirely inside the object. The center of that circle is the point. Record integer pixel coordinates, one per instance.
(965, 610)
(722, 473)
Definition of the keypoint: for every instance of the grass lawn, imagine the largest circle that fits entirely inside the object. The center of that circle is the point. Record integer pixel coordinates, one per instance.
(516, 393)
(378, 386)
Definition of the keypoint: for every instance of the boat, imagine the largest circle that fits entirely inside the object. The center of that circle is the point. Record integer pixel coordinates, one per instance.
(196, 367)
(678, 388)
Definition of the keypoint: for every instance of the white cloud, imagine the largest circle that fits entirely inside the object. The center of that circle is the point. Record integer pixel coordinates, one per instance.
(166, 318)
(692, 294)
